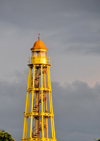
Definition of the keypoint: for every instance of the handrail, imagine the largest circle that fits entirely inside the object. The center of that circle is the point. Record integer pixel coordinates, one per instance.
(28, 60)
(49, 61)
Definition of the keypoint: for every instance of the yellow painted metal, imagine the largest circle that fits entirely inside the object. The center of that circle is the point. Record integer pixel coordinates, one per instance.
(37, 110)
(42, 103)
(38, 60)
(39, 50)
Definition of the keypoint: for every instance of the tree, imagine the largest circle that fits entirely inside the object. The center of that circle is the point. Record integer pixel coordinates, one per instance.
(96, 140)
(5, 136)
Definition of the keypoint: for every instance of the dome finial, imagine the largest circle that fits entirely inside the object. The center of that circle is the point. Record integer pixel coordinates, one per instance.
(39, 37)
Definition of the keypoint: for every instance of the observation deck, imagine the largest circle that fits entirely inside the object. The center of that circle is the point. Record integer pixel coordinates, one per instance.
(39, 60)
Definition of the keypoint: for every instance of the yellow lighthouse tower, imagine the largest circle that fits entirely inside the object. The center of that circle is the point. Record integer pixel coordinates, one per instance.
(39, 108)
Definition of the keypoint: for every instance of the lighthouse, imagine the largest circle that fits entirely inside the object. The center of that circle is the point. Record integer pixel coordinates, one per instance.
(39, 116)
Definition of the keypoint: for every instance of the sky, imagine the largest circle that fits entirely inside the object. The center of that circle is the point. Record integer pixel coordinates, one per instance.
(70, 29)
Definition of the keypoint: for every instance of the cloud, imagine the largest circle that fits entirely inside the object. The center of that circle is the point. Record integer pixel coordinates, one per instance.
(76, 109)
(72, 27)
(67, 27)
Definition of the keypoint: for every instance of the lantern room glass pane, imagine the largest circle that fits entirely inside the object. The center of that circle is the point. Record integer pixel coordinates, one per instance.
(39, 54)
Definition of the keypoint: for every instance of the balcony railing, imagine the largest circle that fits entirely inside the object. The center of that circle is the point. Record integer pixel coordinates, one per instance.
(28, 60)
(49, 61)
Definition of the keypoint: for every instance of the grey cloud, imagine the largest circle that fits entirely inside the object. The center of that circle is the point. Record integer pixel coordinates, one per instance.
(67, 27)
(43, 14)
(76, 108)
(74, 25)
(85, 50)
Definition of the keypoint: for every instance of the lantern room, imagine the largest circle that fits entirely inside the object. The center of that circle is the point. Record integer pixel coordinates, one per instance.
(39, 52)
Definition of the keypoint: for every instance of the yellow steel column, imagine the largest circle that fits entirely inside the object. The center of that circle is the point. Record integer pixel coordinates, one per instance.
(27, 116)
(28, 86)
(36, 119)
(36, 101)
(28, 99)
(32, 102)
(44, 79)
(42, 103)
(52, 117)
(46, 105)
(46, 123)
(50, 106)
(53, 127)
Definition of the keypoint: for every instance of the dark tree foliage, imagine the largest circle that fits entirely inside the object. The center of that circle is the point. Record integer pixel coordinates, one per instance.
(5, 136)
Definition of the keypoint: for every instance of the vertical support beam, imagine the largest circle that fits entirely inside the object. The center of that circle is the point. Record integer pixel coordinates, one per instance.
(29, 86)
(46, 104)
(32, 98)
(49, 89)
(52, 118)
(50, 104)
(26, 106)
(46, 121)
(27, 116)
(36, 119)
(39, 74)
(42, 102)
(39, 116)
(44, 79)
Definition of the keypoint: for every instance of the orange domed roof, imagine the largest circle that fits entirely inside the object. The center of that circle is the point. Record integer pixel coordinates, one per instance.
(39, 45)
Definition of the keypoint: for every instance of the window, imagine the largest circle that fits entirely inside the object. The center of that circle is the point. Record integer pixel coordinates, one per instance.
(39, 54)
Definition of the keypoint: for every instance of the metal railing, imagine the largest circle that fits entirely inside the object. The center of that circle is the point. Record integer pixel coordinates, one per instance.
(28, 60)
(49, 61)
(39, 139)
